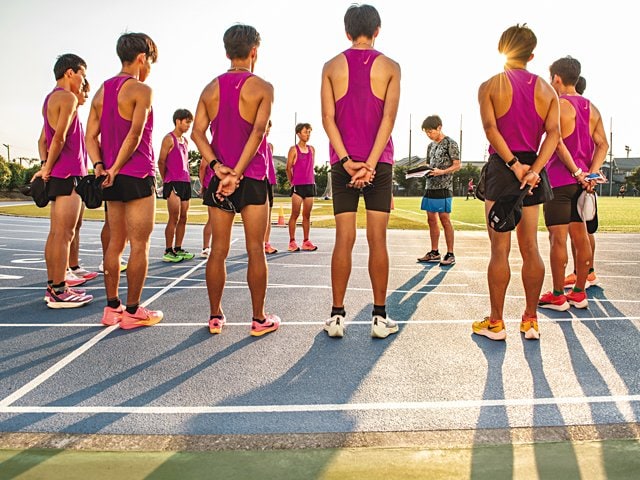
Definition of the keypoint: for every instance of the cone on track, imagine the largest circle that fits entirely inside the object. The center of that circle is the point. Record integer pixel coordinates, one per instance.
(281, 216)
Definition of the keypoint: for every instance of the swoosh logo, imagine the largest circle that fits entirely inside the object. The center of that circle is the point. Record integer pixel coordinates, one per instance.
(238, 85)
(367, 60)
(530, 80)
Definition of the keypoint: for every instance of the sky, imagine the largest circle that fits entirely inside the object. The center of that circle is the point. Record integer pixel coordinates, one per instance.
(445, 50)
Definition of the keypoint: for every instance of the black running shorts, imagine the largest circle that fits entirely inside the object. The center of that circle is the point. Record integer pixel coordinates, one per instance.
(181, 189)
(61, 187)
(249, 192)
(500, 180)
(126, 188)
(377, 197)
(304, 191)
(562, 209)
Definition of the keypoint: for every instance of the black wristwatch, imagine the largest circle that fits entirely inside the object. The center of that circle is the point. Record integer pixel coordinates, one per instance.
(343, 160)
(213, 163)
(512, 162)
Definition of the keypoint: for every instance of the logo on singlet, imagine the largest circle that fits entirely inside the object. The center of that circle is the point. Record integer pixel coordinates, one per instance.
(367, 60)
(238, 85)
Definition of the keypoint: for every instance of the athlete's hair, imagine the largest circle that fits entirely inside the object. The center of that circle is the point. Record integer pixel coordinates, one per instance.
(130, 45)
(65, 62)
(581, 85)
(86, 88)
(269, 123)
(302, 126)
(182, 114)
(361, 20)
(517, 42)
(431, 122)
(567, 68)
(239, 39)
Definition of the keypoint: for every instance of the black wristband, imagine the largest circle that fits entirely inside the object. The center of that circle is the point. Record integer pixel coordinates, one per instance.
(343, 160)
(512, 162)
(213, 162)
(42, 162)
(98, 163)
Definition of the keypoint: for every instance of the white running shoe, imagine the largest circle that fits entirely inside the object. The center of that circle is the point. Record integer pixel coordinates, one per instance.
(205, 252)
(382, 327)
(335, 326)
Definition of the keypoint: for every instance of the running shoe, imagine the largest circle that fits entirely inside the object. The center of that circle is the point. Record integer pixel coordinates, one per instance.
(492, 330)
(570, 280)
(269, 250)
(123, 267)
(84, 273)
(307, 246)
(112, 316)
(72, 280)
(449, 259)
(382, 327)
(335, 326)
(270, 324)
(578, 299)
(529, 326)
(172, 257)
(142, 318)
(431, 257)
(216, 324)
(77, 291)
(184, 254)
(554, 302)
(293, 246)
(205, 252)
(67, 299)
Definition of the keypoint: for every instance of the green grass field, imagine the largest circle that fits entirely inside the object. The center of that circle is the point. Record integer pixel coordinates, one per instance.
(615, 214)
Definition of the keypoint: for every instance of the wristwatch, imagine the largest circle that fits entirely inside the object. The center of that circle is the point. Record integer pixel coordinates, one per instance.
(343, 160)
(512, 162)
(213, 162)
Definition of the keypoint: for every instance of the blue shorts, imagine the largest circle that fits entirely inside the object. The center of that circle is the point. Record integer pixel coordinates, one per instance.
(437, 205)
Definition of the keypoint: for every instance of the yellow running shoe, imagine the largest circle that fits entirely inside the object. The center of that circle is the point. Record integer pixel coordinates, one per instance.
(529, 326)
(493, 330)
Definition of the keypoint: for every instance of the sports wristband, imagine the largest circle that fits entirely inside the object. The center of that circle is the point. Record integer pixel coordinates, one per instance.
(213, 162)
(512, 162)
(577, 173)
(42, 162)
(98, 163)
(345, 159)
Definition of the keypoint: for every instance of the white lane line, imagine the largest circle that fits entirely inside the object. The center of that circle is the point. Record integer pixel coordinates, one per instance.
(326, 407)
(354, 322)
(44, 376)
(21, 392)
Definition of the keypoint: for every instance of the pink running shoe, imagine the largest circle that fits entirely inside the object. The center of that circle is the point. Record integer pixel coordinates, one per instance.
(307, 246)
(142, 318)
(112, 316)
(552, 302)
(293, 246)
(67, 299)
(578, 299)
(270, 324)
(83, 273)
(216, 324)
(73, 280)
(269, 250)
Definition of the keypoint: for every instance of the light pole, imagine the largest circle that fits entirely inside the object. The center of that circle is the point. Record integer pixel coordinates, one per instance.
(8, 151)
(628, 149)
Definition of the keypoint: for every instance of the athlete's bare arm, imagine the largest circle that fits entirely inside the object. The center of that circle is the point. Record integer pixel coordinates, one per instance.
(292, 156)
(62, 107)
(600, 139)
(167, 146)
(92, 136)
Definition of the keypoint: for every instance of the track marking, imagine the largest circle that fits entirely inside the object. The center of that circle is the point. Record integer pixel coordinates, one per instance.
(327, 407)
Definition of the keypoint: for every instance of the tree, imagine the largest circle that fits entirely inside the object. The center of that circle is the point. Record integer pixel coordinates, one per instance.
(634, 179)
(5, 173)
(194, 162)
(407, 186)
(282, 183)
(322, 177)
(462, 176)
(17, 176)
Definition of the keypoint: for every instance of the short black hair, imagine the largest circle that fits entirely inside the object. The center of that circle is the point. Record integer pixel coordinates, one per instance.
(431, 122)
(567, 68)
(302, 126)
(239, 39)
(581, 85)
(67, 61)
(361, 20)
(182, 114)
(130, 45)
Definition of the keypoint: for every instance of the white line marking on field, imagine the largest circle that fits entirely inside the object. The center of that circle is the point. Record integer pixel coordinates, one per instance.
(327, 407)
(44, 376)
(354, 322)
